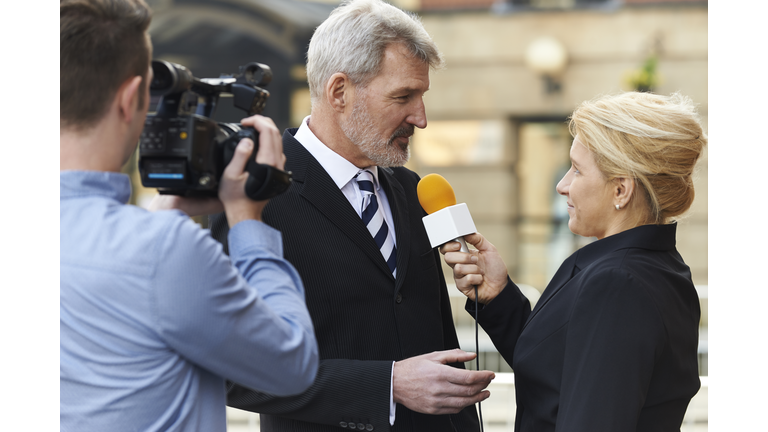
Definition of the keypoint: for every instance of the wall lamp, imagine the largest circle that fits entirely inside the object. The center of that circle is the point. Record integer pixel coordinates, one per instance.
(547, 57)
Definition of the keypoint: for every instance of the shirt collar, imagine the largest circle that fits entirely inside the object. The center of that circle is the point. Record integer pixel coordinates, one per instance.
(112, 185)
(341, 170)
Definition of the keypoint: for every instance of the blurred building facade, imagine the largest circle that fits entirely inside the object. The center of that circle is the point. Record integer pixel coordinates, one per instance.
(497, 113)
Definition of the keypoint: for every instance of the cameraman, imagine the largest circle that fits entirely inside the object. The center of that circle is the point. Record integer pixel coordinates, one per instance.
(153, 316)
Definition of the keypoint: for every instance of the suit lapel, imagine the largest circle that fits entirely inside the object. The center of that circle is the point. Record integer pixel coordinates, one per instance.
(564, 274)
(318, 188)
(400, 214)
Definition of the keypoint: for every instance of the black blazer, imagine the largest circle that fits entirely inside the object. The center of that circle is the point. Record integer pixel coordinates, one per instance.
(364, 319)
(611, 344)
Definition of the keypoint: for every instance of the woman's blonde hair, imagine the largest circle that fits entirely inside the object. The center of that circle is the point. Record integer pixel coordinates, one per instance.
(651, 138)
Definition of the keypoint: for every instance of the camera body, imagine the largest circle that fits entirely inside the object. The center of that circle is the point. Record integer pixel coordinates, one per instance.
(182, 152)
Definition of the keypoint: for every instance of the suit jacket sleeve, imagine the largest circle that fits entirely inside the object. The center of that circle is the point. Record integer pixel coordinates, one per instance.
(615, 335)
(344, 390)
(503, 318)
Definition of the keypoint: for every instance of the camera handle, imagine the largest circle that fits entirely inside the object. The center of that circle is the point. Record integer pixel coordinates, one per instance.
(264, 181)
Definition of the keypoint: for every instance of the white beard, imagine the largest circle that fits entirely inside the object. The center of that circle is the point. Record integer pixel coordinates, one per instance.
(383, 152)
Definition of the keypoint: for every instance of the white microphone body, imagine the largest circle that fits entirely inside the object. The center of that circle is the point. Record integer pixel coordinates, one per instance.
(449, 224)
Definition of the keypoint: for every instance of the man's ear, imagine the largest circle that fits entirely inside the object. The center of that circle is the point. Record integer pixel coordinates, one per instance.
(127, 98)
(339, 91)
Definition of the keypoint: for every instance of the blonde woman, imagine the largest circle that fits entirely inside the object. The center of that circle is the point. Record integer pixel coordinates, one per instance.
(611, 344)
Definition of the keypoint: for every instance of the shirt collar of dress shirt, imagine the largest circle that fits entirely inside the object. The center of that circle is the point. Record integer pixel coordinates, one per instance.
(340, 169)
(111, 185)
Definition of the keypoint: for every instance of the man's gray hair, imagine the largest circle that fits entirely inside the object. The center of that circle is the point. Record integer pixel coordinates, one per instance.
(353, 39)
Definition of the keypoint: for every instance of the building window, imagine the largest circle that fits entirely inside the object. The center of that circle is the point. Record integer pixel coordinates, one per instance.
(459, 143)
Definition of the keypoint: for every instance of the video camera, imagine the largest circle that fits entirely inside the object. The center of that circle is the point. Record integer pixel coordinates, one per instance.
(185, 153)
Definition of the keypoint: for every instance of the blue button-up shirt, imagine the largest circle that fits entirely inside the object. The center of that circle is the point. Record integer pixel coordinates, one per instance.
(154, 316)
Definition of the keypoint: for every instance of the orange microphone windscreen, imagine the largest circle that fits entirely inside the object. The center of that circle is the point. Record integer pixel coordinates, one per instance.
(435, 193)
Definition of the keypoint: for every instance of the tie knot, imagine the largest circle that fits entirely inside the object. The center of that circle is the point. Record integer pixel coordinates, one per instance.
(365, 181)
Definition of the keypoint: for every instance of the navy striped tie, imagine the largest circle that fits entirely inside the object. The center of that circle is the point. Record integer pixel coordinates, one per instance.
(373, 218)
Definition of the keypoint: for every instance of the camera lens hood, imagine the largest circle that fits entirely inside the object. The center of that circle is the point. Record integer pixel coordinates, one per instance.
(169, 78)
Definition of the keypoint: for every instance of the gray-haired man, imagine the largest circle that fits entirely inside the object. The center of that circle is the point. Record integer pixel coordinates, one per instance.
(352, 227)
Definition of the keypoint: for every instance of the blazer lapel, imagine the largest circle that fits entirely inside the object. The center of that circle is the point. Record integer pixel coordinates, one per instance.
(319, 189)
(564, 274)
(400, 214)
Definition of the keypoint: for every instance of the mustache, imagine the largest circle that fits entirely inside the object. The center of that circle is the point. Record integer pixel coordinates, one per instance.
(405, 131)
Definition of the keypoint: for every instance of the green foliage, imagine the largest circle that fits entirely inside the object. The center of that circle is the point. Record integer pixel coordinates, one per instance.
(646, 78)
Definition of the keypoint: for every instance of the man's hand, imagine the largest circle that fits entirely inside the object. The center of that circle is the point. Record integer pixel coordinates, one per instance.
(237, 205)
(426, 383)
(482, 268)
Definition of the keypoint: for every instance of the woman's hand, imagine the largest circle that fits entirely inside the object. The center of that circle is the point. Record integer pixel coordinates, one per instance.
(482, 268)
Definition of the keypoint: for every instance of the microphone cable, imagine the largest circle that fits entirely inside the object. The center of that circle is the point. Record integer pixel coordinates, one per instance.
(477, 358)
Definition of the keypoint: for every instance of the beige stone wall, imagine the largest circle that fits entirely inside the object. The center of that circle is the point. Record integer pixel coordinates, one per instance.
(487, 79)
(486, 74)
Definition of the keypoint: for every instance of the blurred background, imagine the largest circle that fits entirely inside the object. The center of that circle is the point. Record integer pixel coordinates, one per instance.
(497, 117)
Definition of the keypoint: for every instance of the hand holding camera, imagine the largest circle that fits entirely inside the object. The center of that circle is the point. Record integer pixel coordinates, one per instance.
(248, 163)
(233, 194)
(184, 153)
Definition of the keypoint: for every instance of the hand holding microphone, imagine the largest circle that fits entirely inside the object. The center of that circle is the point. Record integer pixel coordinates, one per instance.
(482, 271)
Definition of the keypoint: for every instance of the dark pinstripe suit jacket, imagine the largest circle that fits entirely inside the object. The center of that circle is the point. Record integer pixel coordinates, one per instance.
(364, 318)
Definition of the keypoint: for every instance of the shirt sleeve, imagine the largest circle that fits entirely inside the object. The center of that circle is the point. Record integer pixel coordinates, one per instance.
(392, 404)
(615, 335)
(242, 317)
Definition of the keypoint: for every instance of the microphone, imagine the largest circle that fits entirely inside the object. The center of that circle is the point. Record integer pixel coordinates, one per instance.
(445, 220)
